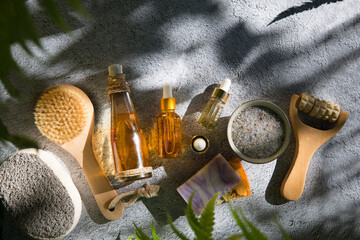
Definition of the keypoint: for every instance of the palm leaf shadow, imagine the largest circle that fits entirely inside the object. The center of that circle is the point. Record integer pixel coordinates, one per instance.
(304, 7)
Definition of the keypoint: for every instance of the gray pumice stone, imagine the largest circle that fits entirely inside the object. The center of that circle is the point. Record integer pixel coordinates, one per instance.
(37, 191)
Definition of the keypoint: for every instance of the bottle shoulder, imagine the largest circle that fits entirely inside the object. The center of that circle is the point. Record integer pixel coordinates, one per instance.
(173, 115)
(214, 100)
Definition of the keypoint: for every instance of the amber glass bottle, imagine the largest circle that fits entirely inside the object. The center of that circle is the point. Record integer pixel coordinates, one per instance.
(169, 127)
(128, 143)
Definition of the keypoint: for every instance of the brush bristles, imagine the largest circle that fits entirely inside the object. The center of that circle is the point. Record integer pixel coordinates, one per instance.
(60, 115)
(318, 108)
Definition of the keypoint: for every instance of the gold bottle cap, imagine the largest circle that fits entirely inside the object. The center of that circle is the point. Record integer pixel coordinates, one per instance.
(167, 104)
(220, 94)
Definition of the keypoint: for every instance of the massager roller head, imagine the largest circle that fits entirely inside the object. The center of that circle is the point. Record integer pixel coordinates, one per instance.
(317, 108)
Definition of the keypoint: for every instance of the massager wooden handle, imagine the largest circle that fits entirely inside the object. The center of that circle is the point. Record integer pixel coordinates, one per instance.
(308, 140)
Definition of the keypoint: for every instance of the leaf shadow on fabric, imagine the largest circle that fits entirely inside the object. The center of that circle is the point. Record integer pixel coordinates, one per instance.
(306, 6)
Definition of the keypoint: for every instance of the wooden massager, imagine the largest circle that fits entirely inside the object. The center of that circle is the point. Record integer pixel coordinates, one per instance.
(308, 139)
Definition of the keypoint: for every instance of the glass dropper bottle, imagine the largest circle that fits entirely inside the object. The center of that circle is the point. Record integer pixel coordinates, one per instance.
(215, 105)
(169, 127)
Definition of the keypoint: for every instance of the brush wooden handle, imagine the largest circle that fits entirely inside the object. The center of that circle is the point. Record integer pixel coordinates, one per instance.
(100, 186)
(308, 140)
(102, 189)
(81, 148)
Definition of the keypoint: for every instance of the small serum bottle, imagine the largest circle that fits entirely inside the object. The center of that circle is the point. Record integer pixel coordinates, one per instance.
(168, 127)
(215, 105)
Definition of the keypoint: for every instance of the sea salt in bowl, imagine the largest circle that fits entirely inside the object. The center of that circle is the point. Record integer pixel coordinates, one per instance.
(258, 131)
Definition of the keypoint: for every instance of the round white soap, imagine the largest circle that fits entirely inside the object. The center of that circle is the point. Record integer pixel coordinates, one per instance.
(199, 144)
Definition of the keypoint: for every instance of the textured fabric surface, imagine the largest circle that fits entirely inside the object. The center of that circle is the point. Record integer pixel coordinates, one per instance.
(34, 197)
(193, 45)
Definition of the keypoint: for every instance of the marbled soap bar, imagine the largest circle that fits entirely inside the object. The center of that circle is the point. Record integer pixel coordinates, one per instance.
(216, 176)
(240, 190)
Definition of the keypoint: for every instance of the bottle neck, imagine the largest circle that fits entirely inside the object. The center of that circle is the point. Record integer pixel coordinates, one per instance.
(117, 84)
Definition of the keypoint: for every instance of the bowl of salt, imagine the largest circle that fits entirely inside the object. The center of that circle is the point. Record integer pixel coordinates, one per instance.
(258, 131)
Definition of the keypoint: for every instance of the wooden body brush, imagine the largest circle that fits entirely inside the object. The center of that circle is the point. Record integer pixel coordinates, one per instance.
(308, 139)
(65, 115)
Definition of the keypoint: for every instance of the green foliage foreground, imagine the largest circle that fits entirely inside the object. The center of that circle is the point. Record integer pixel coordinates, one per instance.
(17, 27)
(204, 226)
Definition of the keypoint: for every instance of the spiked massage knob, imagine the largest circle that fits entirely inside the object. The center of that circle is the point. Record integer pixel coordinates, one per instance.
(318, 108)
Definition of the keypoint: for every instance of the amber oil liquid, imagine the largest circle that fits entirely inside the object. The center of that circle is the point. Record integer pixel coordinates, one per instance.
(169, 135)
(128, 142)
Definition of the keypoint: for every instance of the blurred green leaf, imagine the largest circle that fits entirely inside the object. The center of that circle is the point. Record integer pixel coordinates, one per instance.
(140, 235)
(77, 6)
(8, 86)
(236, 237)
(282, 230)
(194, 222)
(129, 238)
(26, 28)
(52, 10)
(154, 232)
(176, 231)
(4, 133)
(17, 27)
(1, 217)
(1, 220)
(19, 141)
(240, 223)
(118, 237)
(190, 214)
(203, 227)
(208, 216)
(22, 142)
(256, 233)
(249, 230)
